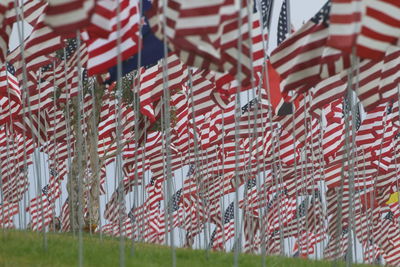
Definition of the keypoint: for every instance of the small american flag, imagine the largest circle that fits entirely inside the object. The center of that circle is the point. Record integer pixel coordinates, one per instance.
(226, 232)
(379, 28)
(248, 107)
(10, 68)
(45, 190)
(389, 216)
(303, 59)
(323, 14)
(283, 28)
(173, 204)
(131, 215)
(266, 9)
(191, 170)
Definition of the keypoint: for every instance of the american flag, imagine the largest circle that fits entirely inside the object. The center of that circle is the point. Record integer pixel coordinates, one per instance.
(333, 135)
(101, 19)
(326, 92)
(151, 84)
(173, 203)
(7, 211)
(5, 29)
(10, 94)
(175, 210)
(199, 18)
(131, 215)
(65, 72)
(251, 228)
(336, 250)
(379, 28)
(70, 48)
(222, 234)
(67, 16)
(33, 9)
(266, 11)
(303, 59)
(65, 219)
(200, 51)
(154, 191)
(103, 52)
(53, 172)
(283, 28)
(42, 41)
(41, 210)
(13, 169)
(345, 18)
(372, 252)
(115, 208)
(386, 233)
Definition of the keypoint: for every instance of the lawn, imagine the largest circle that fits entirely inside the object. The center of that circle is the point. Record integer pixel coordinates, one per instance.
(21, 248)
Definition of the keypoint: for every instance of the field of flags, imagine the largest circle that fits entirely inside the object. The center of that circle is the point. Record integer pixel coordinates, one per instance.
(171, 122)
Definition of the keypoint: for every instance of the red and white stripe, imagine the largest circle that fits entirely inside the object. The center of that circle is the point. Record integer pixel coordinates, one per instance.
(379, 28)
(345, 20)
(67, 16)
(103, 52)
(7, 211)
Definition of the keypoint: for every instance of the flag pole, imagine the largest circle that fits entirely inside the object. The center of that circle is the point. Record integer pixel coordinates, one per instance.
(167, 129)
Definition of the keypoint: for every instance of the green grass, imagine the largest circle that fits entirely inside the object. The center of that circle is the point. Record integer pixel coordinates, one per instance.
(21, 248)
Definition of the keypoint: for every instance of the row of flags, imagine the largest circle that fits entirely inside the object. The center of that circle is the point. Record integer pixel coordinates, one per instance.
(286, 148)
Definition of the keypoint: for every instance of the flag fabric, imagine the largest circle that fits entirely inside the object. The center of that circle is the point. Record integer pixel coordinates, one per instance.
(152, 49)
(225, 232)
(7, 212)
(42, 41)
(379, 28)
(266, 11)
(68, 16)
(6, 22)
(10, 95)
(285, 147)
(283, 22)
(304, 59)
(215, 52)
(41, 210)
(103, 52)
(345, 23)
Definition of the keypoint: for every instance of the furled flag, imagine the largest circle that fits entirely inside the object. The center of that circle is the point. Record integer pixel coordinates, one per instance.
(266, 11)
(283, 27)
(175, 210)
(65, 217)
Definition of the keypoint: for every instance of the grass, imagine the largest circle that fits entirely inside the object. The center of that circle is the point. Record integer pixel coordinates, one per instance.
(22, 248)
